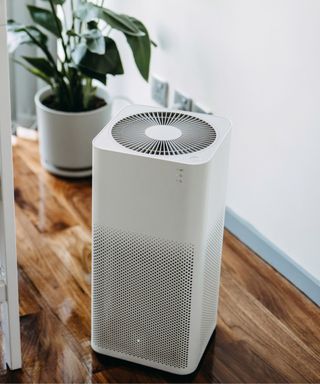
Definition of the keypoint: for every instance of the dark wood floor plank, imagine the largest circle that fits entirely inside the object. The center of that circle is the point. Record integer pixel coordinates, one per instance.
(257, 329)
(48, 348)
(123, 374)
(54, 281)
(50, 276)
(18, 376)
(274, 292)
(267, 330)
(28, 303)
(235, 360)
(75, 195)
(73, 247)
(38, 202)
(47, 355)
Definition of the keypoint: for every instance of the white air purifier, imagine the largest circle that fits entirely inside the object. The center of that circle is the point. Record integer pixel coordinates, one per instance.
(159, 187)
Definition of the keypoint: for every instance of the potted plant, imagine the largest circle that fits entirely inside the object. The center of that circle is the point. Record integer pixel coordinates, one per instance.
(75, 105)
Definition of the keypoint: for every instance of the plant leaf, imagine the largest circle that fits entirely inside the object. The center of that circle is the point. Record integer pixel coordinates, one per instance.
(94, 75)
(41, 64)
(87, 12)
(78, 53)
(141, 49)
(95, 41)
(71, 32)
(57, 2)
(17, 35)
(122, 23)
(35, 71)
(92, 25)
(109, 63)
(45, 18)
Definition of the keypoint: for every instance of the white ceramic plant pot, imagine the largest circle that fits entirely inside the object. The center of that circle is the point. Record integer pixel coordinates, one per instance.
(65, 137)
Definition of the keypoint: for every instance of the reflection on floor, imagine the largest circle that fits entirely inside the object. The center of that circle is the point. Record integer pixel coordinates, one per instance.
(267, 330)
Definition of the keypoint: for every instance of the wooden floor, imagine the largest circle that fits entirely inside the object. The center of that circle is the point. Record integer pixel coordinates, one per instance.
(267, 330)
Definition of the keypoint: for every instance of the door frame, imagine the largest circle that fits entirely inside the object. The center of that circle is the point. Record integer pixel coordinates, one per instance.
(8, 256)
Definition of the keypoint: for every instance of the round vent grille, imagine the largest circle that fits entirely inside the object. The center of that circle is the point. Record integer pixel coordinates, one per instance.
(163, 133)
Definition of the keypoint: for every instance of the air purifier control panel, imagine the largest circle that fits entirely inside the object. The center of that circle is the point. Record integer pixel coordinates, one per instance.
(179, 175)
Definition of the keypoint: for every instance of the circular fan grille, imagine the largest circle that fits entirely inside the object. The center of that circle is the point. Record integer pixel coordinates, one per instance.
(132, 133)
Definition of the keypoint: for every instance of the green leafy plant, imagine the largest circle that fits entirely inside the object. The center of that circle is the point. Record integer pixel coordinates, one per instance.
(88, 50)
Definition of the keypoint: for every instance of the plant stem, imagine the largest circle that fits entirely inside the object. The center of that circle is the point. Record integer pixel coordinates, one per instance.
(72, 25)
(64, 18)
(109, 31)
(66, 28)
(72, 10)
(44, 49)
(67, 59)
(59, 29)
(58, 77)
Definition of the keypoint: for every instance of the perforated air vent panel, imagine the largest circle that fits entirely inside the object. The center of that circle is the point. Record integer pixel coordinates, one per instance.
(189, 134)
(142, 288)
(211, 281)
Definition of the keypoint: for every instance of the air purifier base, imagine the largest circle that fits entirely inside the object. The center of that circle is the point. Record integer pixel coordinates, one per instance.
(177, 371)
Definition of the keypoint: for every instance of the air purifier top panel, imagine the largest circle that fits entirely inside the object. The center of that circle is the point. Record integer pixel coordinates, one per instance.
(164, 134)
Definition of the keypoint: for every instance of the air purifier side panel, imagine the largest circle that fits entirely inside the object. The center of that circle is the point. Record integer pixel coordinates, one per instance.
(213, 240)
(149, 196)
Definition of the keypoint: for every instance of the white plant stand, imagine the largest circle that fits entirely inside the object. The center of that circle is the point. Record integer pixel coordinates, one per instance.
(8, 258)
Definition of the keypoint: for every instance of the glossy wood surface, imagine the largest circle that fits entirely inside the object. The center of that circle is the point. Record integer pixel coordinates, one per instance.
(267, 330)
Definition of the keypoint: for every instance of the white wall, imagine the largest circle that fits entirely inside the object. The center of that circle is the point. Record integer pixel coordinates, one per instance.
(23, 84)
(258, 63)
